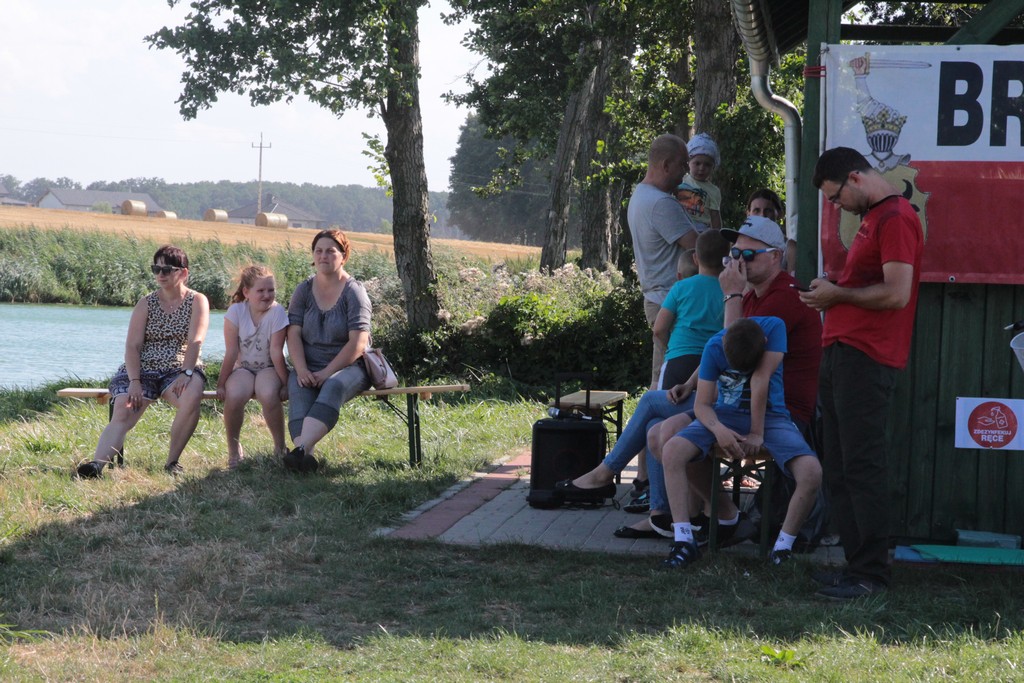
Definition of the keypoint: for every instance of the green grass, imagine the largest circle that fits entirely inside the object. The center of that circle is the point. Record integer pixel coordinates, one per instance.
(257, 575)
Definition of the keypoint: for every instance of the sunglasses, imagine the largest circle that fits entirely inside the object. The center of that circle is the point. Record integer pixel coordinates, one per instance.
(163, 270)
(749, 255)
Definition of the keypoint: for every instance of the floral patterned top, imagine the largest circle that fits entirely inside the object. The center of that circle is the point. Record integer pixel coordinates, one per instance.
(166, 339)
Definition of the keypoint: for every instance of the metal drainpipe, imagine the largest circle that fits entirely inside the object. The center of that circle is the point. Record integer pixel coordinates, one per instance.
(753, 32)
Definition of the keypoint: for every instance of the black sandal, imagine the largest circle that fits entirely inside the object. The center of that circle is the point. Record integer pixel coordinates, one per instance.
(173, 468)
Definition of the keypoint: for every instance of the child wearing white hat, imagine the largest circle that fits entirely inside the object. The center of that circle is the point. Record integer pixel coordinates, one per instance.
(698, 195)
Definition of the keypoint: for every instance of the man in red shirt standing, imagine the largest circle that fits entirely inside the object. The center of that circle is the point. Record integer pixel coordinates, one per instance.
(869, 319)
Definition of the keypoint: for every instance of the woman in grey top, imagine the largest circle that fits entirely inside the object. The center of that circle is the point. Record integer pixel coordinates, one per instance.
(329, 327)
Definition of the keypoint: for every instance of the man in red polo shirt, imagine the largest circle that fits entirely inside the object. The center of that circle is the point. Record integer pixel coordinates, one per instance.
(869, 319)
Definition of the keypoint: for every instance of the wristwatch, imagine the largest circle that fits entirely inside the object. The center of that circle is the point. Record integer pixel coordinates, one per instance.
(730, 296)
(189, 373)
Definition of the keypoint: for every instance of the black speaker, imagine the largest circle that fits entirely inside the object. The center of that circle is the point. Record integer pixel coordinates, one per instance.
(565, 449)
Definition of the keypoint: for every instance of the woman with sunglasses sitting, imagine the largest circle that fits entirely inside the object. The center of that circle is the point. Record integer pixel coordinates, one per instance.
(161, 360)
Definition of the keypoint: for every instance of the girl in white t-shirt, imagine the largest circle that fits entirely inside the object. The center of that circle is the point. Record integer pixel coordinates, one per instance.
(254, 331)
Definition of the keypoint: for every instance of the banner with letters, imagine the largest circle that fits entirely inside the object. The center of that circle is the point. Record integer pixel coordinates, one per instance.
(990, 423)
(945, 125)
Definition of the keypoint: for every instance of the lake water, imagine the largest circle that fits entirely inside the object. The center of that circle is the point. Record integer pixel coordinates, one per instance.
(41, 343)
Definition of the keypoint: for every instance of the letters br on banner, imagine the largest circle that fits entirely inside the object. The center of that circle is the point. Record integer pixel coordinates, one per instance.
(945, 125)
(990, 423)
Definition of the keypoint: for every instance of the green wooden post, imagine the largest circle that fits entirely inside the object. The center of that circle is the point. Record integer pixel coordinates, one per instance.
(822, 27)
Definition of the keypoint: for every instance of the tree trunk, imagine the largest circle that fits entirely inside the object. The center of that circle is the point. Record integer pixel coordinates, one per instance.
(716, 45)
(679, 74)
(404, 155)
(599, 215)
(570, 134)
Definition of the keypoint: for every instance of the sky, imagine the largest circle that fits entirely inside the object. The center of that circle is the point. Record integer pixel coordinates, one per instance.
(83, 96)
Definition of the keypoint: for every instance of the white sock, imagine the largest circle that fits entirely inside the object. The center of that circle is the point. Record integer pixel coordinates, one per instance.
(729, 522)
(784, 541)
(683, 532)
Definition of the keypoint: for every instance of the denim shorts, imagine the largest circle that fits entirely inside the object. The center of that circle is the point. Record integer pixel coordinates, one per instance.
(782, 438)
(154, 384)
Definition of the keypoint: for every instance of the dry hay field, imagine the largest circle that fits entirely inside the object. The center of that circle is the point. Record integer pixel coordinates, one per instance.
(176, 230)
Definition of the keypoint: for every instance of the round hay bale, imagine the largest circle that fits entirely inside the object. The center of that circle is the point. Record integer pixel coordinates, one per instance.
(167, 214)
(133, 207)
(271, 220)
(216, 216)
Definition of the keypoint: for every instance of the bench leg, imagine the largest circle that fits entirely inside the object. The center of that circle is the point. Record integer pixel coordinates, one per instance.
(413, 411)
(411, 418)
(767, 487)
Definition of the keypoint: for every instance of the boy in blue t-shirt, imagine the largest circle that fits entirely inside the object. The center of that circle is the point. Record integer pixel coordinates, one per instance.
(741, 406)
(692, 312)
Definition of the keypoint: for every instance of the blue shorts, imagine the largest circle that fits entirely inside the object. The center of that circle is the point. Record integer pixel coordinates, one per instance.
(782, 438)
(154, 384)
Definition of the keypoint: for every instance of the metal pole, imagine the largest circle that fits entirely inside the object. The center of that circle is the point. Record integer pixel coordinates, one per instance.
(259, 189)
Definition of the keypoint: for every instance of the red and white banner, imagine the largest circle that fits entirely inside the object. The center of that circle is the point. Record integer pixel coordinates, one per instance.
(945, 125)
(990, 423)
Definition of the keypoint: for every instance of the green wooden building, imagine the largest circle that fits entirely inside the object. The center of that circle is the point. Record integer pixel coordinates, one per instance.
(960, 347)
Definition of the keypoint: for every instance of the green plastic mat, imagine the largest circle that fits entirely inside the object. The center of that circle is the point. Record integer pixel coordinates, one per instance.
(970, 555)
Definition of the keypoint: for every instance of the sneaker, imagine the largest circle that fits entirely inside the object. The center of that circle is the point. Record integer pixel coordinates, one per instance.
(173, 468)
(743, 530)
(90, 470)
(293, 459)
(851, 590)
(681, 556)
(829, 577)
(641, 504)
(640, 487)
(701, 529)
(781, 556)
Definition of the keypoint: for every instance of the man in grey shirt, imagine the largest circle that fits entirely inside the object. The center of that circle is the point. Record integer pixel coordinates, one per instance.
(661, 230)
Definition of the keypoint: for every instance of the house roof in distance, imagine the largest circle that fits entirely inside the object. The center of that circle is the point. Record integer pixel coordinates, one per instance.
(90, 198)
(272, 204)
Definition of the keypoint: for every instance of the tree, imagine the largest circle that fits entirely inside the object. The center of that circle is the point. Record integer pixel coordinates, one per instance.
(10, 183)
(716, 48)
(496, 195)
(340, 55)
(33, 190)
(612, 70)
(545, 57)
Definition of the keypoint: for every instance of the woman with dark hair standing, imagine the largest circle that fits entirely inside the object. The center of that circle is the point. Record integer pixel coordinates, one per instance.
(329, 328)
(161, 360)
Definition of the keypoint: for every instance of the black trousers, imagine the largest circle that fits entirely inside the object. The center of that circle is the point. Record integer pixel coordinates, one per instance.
(856, 393)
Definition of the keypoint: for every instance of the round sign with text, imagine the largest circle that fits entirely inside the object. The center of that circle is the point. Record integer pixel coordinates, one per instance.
(992, 424)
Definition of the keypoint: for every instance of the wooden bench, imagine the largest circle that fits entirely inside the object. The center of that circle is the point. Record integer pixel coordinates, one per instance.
(411, 416)
(603, 405)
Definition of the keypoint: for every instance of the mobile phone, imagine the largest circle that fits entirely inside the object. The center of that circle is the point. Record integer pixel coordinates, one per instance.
(799, 288)
(726, 260)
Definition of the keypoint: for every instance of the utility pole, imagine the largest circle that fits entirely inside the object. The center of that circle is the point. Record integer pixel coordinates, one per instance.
(259, 195)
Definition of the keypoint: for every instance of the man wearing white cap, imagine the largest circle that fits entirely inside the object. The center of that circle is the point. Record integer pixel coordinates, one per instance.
(661, 230)
(757, 260)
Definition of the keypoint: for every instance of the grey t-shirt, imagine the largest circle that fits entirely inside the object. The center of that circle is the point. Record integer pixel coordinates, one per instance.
(656, 221)
(324, 333)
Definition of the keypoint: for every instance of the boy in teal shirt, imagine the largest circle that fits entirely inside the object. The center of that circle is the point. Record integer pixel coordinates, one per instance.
(692, 312)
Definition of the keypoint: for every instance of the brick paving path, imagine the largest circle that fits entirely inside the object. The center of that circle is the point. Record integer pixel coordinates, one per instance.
(491, 508)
